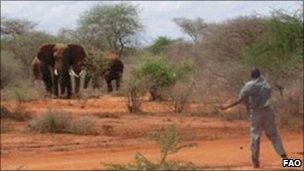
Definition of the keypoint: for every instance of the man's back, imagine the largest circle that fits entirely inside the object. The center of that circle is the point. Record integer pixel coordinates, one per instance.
(257, 93)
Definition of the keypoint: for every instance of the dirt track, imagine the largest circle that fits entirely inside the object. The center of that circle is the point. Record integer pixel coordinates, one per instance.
(220, 144)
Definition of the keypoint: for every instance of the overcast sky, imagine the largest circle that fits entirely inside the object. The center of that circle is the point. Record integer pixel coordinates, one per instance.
(156, 16)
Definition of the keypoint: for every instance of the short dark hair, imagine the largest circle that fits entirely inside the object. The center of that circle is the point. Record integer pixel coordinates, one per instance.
(255, 73)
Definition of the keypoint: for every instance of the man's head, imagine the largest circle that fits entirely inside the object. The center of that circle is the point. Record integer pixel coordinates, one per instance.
(255, 73)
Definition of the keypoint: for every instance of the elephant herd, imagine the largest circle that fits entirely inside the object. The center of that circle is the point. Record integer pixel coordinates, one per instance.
(62, 68)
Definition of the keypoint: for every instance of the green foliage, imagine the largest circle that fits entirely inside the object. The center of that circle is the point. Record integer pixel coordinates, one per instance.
(56, 121)
(169, 141)
(160, 71)
(281, 48)
(160, 45)
(24, 47)
(110, 26)
(96, 67)
(12, 26)
(11, 69)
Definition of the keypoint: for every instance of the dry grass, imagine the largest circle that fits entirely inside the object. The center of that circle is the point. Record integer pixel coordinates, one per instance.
(6, 125)
(18, 114)
(55, 121)
(133, 99)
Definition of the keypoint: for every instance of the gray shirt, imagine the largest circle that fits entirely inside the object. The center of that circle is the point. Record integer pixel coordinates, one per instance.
(256, 93)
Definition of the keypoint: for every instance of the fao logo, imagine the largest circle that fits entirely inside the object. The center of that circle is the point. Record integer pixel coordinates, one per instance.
(291, 163)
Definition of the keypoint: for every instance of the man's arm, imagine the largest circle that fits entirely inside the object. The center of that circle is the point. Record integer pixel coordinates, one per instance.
(239, 100)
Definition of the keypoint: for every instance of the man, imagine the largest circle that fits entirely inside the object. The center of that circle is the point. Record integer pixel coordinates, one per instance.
(256, 94)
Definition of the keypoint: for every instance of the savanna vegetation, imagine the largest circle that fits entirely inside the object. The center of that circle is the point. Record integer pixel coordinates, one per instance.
(215, 62)
(209, 67)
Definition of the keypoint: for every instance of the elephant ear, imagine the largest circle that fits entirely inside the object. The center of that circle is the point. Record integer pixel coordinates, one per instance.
(77, 54)
(45, 54)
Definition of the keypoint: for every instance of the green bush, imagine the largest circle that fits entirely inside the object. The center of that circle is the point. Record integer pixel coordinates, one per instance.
(56, 121)
(96, 67)
(160, 45)
(169, 142)
(157, 72)
(11, 69)
(281, 47)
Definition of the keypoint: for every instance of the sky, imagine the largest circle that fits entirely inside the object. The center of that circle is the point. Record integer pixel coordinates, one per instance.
(156, 16)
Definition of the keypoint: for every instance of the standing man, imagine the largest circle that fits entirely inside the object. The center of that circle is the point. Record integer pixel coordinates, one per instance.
(256, 94)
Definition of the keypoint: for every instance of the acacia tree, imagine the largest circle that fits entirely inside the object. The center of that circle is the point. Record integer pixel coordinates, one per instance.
(16, 26)
(111, 27)
(193, 28)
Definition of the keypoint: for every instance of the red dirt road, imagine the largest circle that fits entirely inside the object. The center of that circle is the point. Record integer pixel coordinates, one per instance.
(221, 144)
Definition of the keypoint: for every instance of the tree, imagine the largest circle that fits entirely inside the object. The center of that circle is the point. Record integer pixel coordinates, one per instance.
(157, 72)
(160, 44)
(280, 51)
(16, 26)
(193, 28)
(110, 27)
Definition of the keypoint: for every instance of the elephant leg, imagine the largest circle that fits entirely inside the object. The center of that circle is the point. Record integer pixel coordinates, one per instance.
(48, 84)
(47, 79)
(56, 87)
(87, 79)
(117, 84)
(51, 71)
(62, 85)
(66, 80)
(69, 87)
(77, 85)
(110, 89)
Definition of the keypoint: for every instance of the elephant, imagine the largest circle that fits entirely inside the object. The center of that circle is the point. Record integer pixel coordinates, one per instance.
(67, 61)
(42, 72)
(113, 72)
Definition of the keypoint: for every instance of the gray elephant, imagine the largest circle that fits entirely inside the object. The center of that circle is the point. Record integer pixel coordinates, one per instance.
(65, 61)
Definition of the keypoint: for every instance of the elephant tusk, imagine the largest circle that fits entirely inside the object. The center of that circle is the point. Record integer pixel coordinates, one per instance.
(56, 72)
(82, 72)
(72, 73)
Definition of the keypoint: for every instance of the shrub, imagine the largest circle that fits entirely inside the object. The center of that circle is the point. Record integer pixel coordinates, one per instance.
(82, 126)
(169, 141)
(135, 90)
(18, 114)
(11, 69)
(97, 65)
(24, 90)
(56, 121)
(5, 125)
(279, 52)
(289, 107)
(179, 94)
(160, 45)
(157, 72)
